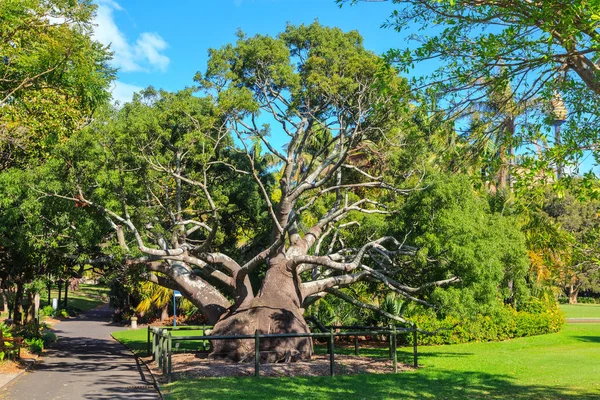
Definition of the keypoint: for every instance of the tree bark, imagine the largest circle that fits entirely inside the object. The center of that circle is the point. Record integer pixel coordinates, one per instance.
(18, 304)
(4, 301)
(66, 294)
(59, 284)
(164, 313)
(573, 293)
(276, 309)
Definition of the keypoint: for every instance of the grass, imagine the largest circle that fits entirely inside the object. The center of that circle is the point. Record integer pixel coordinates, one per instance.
(564, 365)
(137, 340)
(581, 310)
(84, 299)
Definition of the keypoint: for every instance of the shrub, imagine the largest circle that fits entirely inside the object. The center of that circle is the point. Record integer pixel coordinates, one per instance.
(63, 313)
(49, 337)
(47, 311)
(5, 334)
(534, 318)
(36, 345)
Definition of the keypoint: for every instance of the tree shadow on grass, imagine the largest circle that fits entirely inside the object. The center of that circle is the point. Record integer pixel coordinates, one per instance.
(435, 384)
(589, 339)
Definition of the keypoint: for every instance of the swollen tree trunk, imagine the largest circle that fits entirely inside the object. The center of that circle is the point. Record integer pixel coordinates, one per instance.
(276, 309)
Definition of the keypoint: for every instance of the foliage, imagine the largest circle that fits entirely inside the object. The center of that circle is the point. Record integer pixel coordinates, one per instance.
(484, 46)
(6, 333)
(36, 345)
(457, 233)
(53, 75)
(504, 323)
(49, 337)
(47, 311)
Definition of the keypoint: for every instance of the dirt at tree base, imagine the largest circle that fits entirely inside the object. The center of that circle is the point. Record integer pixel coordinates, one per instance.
(188, 365)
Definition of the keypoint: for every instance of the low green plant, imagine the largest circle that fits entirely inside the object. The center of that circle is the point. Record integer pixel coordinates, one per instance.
(35, 345)
(6, 333)
(63, 313)
(535, 317)
(47, 311)
(49, 337)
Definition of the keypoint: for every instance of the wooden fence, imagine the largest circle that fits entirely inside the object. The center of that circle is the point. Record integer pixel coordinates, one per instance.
(160, 343)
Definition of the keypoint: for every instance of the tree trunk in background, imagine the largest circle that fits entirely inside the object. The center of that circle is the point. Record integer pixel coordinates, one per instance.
(59, 284)
(49, 288)
(573, 293)
(4, 301)
(66, 295)
(18, 304)
(164, 313)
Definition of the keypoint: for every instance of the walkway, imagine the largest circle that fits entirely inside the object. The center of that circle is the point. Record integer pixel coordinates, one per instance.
(85, 363)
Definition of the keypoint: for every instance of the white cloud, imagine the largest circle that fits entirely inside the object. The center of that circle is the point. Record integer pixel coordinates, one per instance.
(143, 55)
(149, 46)
(123, 92)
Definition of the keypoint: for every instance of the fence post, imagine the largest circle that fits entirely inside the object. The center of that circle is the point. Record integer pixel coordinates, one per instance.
(148, 344)
(154, 338)
(164, 352)
(390, 339)
(415, 359)
(256, 354)
(395, 355)
(169, 355)
(331, 353)
(159, 349)
(356, 345)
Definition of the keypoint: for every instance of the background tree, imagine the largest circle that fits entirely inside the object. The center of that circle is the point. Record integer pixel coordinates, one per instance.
(538, 48)
(52, 75)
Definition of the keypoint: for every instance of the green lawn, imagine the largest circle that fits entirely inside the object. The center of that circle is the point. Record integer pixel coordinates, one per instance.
(137, 340)
(581, 310)
(564, 365)
(84, 299)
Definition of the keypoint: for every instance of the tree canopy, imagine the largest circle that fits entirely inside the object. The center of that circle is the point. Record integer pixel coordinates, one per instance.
(52, 75)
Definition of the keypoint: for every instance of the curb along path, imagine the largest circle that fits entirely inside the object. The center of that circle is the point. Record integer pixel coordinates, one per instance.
(85, 363)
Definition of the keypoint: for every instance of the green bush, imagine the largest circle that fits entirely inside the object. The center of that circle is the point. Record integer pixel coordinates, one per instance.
(49, 337)
(63, 313)
(36, 345)
(47, 311)
(5, 334)
(534, 318)
(588, 300)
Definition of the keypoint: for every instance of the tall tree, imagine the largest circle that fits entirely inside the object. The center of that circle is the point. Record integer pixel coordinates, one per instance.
(537, 47)
(184, 186)
(52, 75)
(163, 176)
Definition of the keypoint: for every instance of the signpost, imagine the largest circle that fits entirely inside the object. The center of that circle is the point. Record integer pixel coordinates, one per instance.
(176, 294)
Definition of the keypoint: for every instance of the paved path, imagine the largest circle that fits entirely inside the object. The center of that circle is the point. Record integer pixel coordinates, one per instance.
(85, 363)
(582, 320)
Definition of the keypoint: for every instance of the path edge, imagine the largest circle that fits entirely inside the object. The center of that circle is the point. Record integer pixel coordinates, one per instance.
(17, 376)
(140, 361)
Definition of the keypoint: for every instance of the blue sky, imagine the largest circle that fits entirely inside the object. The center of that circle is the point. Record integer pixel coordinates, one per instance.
(164, 44)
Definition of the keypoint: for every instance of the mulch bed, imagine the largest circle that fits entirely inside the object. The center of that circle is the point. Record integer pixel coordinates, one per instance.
(187, 365)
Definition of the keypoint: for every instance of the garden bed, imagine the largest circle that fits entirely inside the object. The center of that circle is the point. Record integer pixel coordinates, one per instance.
(197, 365)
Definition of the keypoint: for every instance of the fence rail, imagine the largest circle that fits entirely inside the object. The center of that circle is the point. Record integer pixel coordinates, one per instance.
(160, 343)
